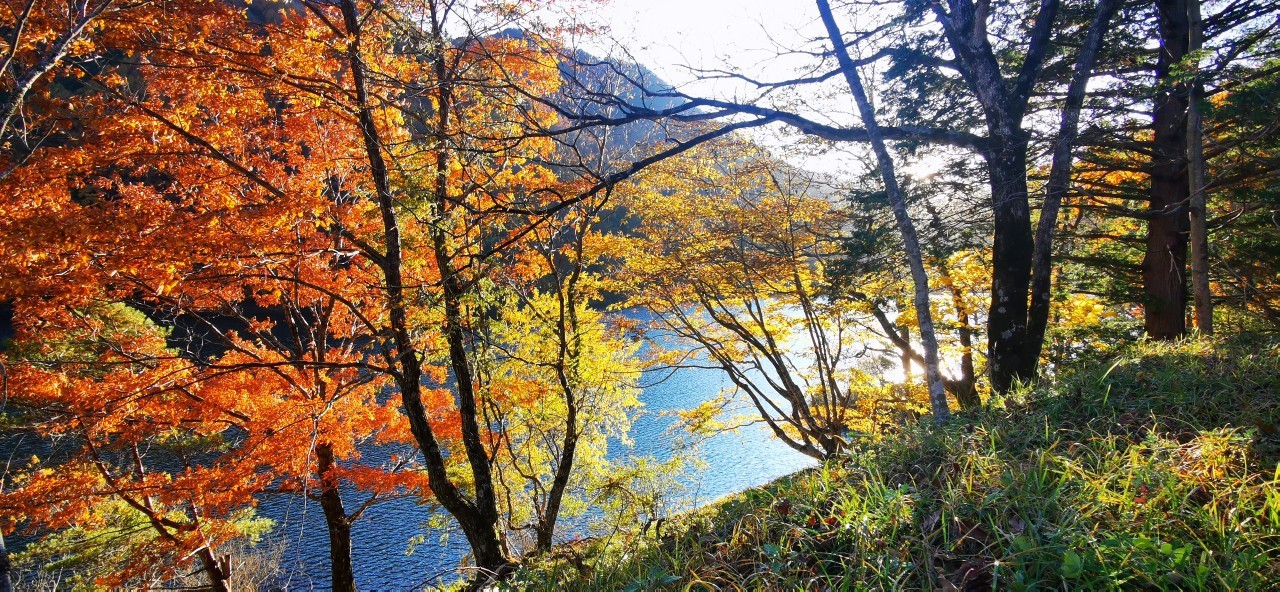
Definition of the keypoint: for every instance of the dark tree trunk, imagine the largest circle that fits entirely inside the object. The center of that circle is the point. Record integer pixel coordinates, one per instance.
(478, 518)
(481, 520)
(1164, 268)
(905, 334)
(214, 570)
(1011, 251)
(1004, 104)
(1060, 178)
(1015, 332)
(547, 525)
(487, 549)
(338, 524)
(6, 579)
(964, 389)
(569, 446)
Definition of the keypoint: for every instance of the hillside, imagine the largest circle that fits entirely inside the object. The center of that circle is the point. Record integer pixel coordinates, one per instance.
(430, 272)
(1151, 468)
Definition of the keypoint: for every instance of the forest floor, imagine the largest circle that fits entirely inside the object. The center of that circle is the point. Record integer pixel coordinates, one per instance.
(1152, 467)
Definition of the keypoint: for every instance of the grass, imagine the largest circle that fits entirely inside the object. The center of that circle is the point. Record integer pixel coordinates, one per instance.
(1156, 469)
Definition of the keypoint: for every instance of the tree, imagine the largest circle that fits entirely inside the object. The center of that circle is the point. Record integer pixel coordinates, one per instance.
(730, 254)
(474, 178)
(1164, 266)
(1178, 183)
(1197, 211)
(1133, 175)
(1240, 133)
(560, 403)
(998, 75)
(898, 201)
(1015, 332)
(86, 386)
(866, 271)
(152, 223)
(317, 196)
(40, 39)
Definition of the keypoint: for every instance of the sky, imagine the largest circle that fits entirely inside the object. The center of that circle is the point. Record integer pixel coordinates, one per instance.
(669, 36)
(676, 38)
(673, 38)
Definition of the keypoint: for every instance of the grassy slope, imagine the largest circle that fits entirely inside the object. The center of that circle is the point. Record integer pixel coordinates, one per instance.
(1155, 469)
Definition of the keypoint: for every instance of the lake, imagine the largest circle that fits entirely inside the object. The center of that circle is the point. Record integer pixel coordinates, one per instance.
(732, 462)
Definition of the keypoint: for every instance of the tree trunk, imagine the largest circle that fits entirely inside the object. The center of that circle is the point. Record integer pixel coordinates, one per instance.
(1164, 268)
(964, 389)
(911, 243)
(1198, 213)
(1011, 251)
(481, 526)
(1003, 104)
(6, 568)
(905, 334)
(480, 522)
(338, 524)
(568, 356)
(478, 518)
(1060, 179)
(555, 497)
(214, 570)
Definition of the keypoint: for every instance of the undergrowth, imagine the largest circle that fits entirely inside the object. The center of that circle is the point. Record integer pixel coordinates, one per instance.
(1156, 469)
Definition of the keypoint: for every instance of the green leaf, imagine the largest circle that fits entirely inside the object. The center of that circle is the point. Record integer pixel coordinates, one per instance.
(1023, 543)
(1072, 565)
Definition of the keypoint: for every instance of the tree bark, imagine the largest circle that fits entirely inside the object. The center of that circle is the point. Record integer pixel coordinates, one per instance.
(1060, 180)
(478, 519)
(546, 526)
(1003, 106)
(905, 334)
(568, 333)
(1012, 246)
(481, 523)
(911, 243)
(213, 570)
(1198, 214)
(337, 522)
(1164, 268)
(6, 568)
(964, 389)
(1016, 323)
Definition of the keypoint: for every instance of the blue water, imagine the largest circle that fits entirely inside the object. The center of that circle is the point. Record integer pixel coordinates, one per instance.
(729, 462)
(732, 461)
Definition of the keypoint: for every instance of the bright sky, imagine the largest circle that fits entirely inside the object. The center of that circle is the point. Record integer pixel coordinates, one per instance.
(673, 38)
(667, 35)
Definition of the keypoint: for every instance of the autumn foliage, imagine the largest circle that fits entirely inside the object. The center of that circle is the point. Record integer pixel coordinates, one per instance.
(244, 244)
(198, 267)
